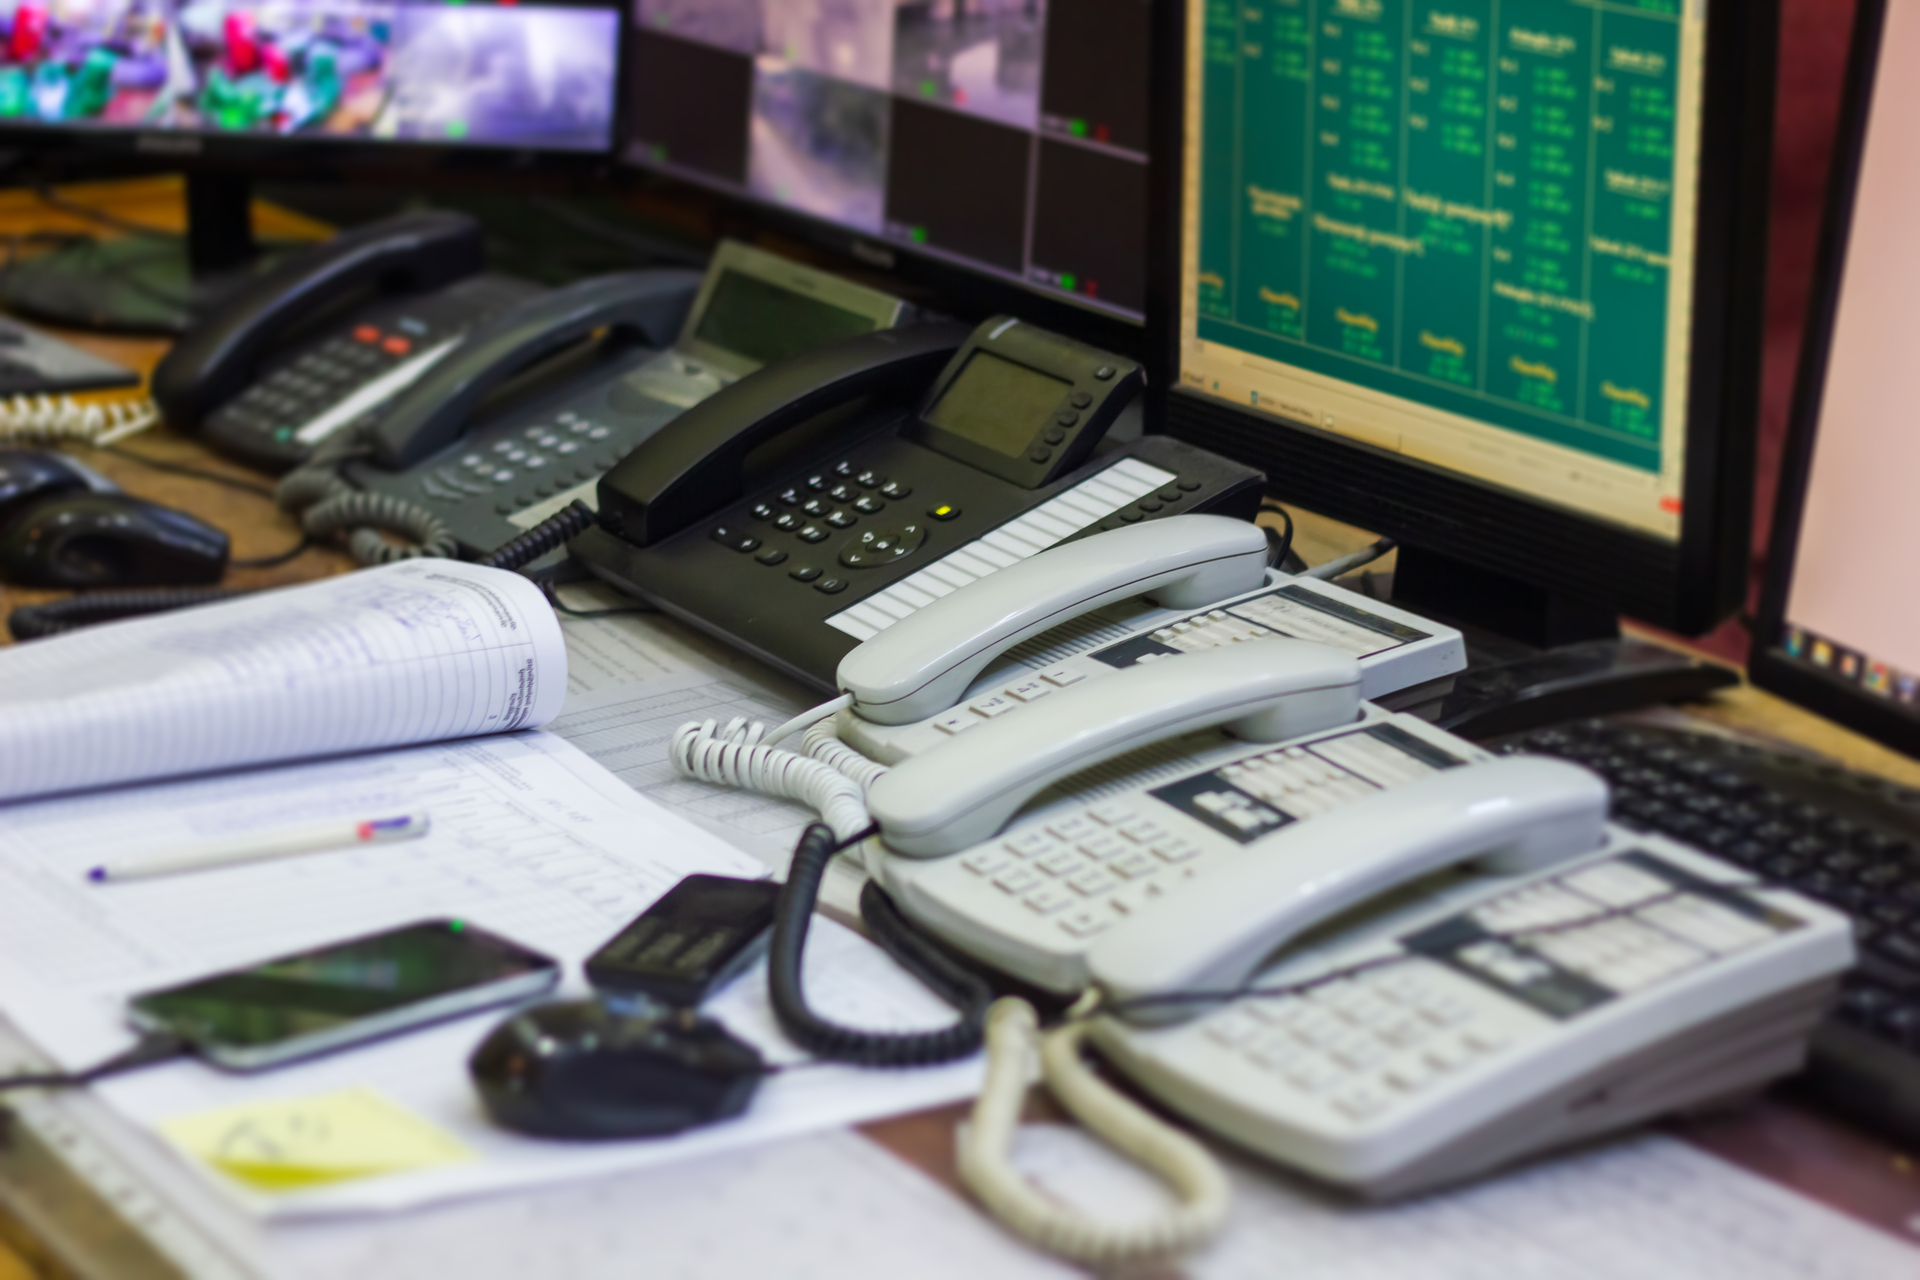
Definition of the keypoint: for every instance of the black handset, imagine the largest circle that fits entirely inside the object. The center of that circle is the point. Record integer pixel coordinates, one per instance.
(636, 307)
(329, 334)
(957, 454)
(215, 359)
(695, 465)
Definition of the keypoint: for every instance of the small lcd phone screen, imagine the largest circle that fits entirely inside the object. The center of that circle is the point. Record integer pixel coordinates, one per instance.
(998, 404)
(764, 322)
(319, 1000)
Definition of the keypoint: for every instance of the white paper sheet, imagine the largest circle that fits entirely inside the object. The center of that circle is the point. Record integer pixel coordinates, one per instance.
(1642, 1208)
(412, 652)
(530, 839)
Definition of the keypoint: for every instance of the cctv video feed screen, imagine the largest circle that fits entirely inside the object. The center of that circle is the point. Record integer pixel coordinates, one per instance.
(1006, 136)
(532, 76)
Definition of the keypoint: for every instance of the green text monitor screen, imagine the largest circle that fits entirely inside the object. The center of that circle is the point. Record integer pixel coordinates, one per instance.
(1456, 229)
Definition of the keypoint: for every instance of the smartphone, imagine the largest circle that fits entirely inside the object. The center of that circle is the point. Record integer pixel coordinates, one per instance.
(345, 993)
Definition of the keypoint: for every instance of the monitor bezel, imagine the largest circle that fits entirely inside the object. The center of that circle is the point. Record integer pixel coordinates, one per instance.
(271, 156)
(1689, 585)
(1768, 667)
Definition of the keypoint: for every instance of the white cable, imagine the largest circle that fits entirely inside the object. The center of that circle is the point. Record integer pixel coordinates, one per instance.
(985, 1167)
(54, 420)
(811, 716)
(1348, 563)
(820, 743)
(736, 757)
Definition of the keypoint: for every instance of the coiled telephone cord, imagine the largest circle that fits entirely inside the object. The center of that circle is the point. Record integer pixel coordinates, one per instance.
(62, 419)
(325, 504)
(737, 757)
(1195, 1175)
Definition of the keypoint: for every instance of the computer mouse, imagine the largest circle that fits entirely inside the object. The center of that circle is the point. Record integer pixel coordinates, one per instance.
(609, 1069)
(27, 475)
(108, 540)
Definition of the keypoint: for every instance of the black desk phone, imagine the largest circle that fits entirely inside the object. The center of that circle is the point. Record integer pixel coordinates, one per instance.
(493, 468)
(809, 506)
(315, 345)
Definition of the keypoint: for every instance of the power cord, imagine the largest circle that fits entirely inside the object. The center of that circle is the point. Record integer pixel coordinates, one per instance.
(155, 1046)
(1348, 563)
(1279, 545)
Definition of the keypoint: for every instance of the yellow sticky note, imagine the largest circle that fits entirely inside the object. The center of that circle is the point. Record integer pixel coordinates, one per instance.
(286, 1144)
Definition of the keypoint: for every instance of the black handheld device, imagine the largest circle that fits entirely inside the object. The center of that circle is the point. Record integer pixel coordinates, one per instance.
(694, 940)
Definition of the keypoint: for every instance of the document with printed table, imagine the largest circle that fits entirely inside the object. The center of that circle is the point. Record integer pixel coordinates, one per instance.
(530, 839)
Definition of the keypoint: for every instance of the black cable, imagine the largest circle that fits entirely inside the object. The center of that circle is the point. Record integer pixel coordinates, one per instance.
(555, 531)
(553, 598)
(181, 469)
(155, 1046)
(35, 621)
(1279, 545)
(267, 562)
(793, 915)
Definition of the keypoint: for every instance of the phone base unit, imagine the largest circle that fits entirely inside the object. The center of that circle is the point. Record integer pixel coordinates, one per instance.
(1500, 1026)
(1399, 653)
(807, 568)
(339, 382)
(549, 448)
(1457, 1013)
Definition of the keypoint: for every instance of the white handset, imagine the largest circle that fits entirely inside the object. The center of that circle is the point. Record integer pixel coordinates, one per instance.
(1510, 815)
(923, 664)
(966, 789)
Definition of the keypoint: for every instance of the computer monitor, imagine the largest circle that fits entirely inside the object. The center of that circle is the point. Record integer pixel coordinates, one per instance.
(1839, 623)
(230, 86)
(1484, 276)
(996, 149)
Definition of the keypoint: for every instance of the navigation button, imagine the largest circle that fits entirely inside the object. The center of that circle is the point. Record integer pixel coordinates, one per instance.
(831, 586)
(803, 573)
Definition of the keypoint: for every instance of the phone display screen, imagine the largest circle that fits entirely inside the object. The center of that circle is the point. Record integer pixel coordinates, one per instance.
(335, 995)
(760, 320)
(997, 403)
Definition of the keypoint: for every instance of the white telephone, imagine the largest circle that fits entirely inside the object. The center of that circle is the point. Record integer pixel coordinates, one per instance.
(1473, 965)
(1079, 611)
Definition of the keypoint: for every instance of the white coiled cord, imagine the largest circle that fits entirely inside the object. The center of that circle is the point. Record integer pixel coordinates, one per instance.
(737, 756)
(1013, 1030)
(62, 419)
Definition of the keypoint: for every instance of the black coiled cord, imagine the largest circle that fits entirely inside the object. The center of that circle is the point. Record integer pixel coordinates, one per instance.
(556, 530)
(953, 983)
(33, 621)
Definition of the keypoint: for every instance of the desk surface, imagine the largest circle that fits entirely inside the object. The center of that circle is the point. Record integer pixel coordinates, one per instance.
(1776, 1138)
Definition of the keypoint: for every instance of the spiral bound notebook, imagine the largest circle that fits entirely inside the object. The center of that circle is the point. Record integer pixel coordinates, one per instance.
(419, 651)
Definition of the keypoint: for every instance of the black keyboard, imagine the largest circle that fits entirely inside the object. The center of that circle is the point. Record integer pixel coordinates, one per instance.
(1848, 839)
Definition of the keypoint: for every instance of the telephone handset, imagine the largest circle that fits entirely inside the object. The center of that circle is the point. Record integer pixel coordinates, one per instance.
(634, 307)
(910, 463)
(1106, 603)
(264, 376)
(965, 790)
(922, 665)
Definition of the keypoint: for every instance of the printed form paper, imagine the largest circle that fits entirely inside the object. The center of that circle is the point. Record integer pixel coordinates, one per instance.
(530, 839)
(418, 651)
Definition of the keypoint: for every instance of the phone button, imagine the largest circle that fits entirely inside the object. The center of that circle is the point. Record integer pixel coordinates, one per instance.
(812, 533)
(869, 479)
(842, 519)
(804, 573)
(1067, 418)
(895, 490)
(1040, 454)
(816, 507)
(1054, 435)
(945, 511)
(772, 555)
(762, 511)
(732, 538)
(787, 522)
(869, 506)
(1079, 399)
(843, 493)
(832, 586)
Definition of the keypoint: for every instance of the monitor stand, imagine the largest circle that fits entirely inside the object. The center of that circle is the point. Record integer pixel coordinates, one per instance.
(1536, 658)
(149, 283)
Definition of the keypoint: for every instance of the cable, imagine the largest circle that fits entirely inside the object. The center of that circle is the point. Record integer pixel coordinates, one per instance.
(556, 530)
(1279, 545)
(809, 717)
(793, 915)
(1190, 1169)
(736, 757)
(1346, 564)
(267, 562)
(155, 1046)
(181, 469)
(35, 621)
(58, 419)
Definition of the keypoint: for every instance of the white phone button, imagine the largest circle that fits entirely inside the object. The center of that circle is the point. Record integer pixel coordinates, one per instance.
(1016, 880)
(987, 862)
(1102, 847)
(1113, 812)
(1178, 849)
(1075, 828)
(1361, 1102)
(1086, 922)
(956, 722)
(1061, 677)
(1049, 900)
(1064, 863)
(1135, 865)
(1028, 690)
(997, 705)
(1093, 882)
(1031, 845)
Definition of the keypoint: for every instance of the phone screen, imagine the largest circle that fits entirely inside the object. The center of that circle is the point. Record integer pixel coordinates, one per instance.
(319, 1000)
(998, 403)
